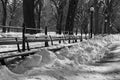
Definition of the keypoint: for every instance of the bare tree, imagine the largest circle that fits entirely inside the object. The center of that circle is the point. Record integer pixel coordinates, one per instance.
(111, 8)
(13, 7)
(38, 7)
(28, 12)
(59, 4)
(4, 4)
(70, 16)
(82, 17)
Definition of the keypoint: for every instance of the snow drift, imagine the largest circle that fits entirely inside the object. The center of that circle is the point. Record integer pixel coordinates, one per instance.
(60, 65)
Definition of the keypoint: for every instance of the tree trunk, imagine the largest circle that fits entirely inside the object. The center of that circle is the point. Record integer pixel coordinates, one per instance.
(60, 12)
(10, 23)
(107, 17)
(12, 12)
(59, 21)
(96, 18)
(110, 11)
(39, 14)
(70, 16)
(4, 20)
(28, 13)
(4, 3)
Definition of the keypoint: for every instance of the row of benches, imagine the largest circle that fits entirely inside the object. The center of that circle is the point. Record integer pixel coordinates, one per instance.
(18, 41)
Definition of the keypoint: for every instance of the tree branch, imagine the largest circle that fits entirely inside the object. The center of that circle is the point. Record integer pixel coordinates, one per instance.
(55, 4)
(36, 3)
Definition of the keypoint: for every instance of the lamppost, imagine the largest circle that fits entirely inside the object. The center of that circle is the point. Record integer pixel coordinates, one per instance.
(106, 21)
(91, 20)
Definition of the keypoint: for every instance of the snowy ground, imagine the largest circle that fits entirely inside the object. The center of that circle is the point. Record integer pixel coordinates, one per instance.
(95, 59)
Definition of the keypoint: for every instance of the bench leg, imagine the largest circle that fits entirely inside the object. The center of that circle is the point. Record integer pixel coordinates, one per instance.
(2, 62)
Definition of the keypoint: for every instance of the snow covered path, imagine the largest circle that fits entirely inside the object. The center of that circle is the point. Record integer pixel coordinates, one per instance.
(108, 68)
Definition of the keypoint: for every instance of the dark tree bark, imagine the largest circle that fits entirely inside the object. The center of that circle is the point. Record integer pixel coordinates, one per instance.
(28, 13)
(39, 14)
(108, 16)
(60, 16)
(110, 11)
(98, 6)
(59, 23)
(38, 7)
(96, 28)
(4, 4)
(60, 8)
(70, 16)
(12, 9)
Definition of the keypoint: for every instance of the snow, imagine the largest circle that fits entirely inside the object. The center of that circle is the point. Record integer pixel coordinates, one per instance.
(69, 63)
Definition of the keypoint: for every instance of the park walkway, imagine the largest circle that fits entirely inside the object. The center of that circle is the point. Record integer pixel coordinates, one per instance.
(108, 68)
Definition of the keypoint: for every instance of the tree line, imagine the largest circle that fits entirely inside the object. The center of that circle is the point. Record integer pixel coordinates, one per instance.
(62, 16)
